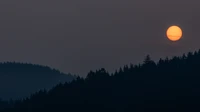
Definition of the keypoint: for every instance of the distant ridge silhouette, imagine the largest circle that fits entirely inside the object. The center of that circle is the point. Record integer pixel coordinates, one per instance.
(18, 80)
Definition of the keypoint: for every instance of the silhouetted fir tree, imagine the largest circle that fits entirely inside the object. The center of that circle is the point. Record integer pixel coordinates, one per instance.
(120, 70)
(131, 66)
(147, 60)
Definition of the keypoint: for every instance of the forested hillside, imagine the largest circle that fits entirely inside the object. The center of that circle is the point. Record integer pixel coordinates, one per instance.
(18, 80)
(171, 85)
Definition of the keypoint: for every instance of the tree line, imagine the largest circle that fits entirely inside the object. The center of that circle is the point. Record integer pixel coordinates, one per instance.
(169, 85)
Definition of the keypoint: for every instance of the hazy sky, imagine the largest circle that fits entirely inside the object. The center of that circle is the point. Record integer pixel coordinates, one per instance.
(81, 35)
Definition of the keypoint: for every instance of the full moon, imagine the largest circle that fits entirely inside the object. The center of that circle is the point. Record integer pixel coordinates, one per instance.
(174, 33)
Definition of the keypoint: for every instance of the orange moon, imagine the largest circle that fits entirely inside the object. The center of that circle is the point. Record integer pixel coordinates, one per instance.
(174, 33)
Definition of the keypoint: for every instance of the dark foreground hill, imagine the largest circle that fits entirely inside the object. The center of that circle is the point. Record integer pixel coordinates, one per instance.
(171, 85)
(18, 80)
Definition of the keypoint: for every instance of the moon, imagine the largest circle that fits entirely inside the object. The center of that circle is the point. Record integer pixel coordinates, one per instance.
(174, 33)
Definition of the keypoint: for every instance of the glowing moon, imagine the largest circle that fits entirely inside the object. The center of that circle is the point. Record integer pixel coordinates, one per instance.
(174, 33)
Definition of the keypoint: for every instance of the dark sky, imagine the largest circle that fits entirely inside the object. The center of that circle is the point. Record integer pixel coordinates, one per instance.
(81, 35)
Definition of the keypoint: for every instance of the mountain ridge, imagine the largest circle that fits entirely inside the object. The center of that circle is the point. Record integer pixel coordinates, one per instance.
(20, 79)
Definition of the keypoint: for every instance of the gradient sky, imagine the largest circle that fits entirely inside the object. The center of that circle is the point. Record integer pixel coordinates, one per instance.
(80, 35)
